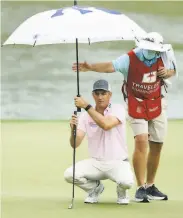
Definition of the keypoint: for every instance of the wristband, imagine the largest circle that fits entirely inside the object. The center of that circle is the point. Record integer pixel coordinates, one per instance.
(88, 107)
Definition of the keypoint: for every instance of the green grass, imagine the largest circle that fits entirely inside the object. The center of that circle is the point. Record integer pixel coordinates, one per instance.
(35, 155)
(170, 8)
(164, 8)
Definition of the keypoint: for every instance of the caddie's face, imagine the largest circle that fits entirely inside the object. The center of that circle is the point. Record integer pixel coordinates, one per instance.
(102, 98)
(149, 54)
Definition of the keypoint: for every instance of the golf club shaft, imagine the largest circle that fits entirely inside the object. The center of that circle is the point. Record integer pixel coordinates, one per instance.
(74, 161)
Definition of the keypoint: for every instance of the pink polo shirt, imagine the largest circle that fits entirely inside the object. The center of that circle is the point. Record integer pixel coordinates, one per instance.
(102, 144)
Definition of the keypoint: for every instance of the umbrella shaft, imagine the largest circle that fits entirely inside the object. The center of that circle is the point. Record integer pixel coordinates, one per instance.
(78, 92)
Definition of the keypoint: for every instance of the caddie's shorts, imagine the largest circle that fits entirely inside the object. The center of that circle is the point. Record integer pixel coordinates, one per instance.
(156, 128)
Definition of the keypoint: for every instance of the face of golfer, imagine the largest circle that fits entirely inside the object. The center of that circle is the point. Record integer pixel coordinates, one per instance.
(102, 98)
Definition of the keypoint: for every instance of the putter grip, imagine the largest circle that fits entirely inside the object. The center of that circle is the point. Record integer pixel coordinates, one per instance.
(74, 130)
(78, 109)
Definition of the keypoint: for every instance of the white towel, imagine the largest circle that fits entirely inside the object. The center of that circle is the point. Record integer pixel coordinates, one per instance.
(168, 59)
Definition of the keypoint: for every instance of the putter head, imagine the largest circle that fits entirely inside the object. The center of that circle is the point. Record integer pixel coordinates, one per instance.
(70, 206)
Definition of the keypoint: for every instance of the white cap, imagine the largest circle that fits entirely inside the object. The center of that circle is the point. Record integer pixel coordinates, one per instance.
(153, 41)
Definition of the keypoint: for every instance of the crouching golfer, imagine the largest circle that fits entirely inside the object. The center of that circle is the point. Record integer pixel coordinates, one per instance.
(105, 128)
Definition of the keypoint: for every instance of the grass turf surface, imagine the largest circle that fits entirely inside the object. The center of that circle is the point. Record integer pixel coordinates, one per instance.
(35, 155)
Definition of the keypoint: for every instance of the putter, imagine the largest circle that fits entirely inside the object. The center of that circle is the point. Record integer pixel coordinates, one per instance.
(74, 161)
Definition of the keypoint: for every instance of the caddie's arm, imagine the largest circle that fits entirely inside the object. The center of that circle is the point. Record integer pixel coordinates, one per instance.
(106, 67)
(170, 73)
(165, 73)
(80, 134)
(121, 64)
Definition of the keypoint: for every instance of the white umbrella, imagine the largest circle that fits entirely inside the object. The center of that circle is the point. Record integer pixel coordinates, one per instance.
(87, 24)
(75, 24)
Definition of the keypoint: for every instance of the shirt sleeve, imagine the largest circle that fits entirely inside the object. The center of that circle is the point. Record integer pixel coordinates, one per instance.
(121, 64)
(82, 122)
(119, 112)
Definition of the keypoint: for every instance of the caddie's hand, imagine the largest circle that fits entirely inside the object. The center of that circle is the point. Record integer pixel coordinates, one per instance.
(73, 121)
(80, 102)
(162, 72)
(82, 67)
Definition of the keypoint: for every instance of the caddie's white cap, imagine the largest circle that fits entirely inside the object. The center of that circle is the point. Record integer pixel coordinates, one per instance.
(153, 41)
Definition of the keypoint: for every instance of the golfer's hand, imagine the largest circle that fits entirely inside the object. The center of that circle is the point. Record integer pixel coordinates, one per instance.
(82, 67)
(80, 102)
(73, 121)
(162, 72)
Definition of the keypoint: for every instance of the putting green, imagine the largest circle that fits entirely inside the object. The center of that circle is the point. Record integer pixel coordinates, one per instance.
(35, 155)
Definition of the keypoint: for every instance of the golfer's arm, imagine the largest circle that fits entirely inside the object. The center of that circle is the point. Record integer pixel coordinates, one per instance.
(106, 123)
(79, 138)
(106, 67)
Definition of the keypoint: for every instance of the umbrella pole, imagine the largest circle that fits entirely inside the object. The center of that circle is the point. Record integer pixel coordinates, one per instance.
(77, 62)
(78, 93)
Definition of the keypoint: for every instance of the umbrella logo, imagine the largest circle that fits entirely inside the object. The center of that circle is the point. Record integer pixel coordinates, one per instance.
(59, 12)
(83, 10)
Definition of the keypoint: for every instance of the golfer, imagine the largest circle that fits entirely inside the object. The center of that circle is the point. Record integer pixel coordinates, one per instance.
(145, 69)
(105, 128)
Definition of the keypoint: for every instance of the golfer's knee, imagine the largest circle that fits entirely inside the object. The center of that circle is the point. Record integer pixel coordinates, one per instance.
(78, 178)
(126, 184)
(68, 175)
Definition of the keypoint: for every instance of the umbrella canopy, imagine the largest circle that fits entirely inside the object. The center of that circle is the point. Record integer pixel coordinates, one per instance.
(87, 24)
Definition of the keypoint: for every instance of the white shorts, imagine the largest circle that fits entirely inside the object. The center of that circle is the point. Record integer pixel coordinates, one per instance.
(156, 128)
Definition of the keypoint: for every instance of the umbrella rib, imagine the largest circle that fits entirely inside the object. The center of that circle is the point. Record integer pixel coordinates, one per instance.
(135, 35)
(89, 41)
(34, 43)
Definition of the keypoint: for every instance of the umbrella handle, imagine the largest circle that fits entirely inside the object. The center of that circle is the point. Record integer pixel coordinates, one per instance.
(78, 108)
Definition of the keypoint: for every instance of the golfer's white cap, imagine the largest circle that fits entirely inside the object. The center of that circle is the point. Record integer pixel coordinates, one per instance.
(153, 41)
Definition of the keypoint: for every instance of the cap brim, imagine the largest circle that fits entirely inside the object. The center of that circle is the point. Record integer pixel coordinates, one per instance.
(152, 46)
(101, 89)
